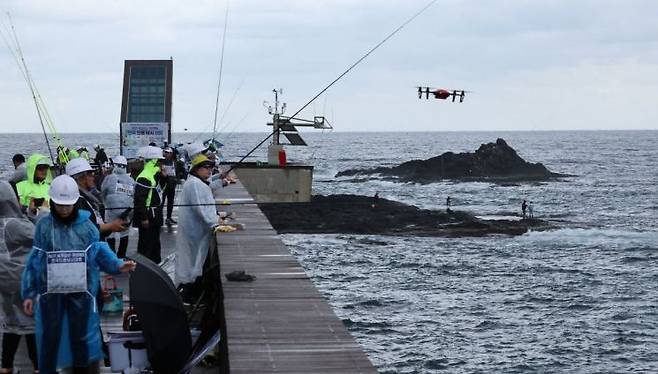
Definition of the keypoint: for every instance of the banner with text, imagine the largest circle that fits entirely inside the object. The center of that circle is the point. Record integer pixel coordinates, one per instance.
(135, 135)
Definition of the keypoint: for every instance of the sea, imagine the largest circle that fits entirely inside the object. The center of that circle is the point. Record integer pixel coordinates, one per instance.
(581, 298)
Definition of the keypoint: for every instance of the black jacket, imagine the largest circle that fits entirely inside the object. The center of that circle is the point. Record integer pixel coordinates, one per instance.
(152, 213)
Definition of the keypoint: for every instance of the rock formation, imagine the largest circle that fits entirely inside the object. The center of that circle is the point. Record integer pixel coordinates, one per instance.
(496, 162)
(354, 214)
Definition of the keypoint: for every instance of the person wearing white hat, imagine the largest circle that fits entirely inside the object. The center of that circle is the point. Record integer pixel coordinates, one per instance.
(192, 150)
(83, 174)
(61, 281)
(147, 202)
(169, 181)
(117, 192)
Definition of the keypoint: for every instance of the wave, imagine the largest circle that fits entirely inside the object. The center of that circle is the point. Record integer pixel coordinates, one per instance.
(595, 237)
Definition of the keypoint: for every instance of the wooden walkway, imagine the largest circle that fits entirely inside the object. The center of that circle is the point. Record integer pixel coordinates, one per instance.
(279, 323)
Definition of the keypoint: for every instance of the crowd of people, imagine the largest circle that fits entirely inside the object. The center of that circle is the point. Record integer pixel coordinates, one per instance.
(63, 222)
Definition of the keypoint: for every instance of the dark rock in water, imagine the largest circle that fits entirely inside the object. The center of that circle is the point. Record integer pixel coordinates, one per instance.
(354, 214)
(497, 162)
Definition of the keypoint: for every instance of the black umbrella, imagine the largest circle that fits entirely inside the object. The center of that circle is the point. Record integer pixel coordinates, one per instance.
(161, 315)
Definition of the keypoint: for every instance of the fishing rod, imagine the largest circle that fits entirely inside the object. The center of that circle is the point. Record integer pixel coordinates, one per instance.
(17, 53)
(42, 111)
(221, 119)
(219, 81)
(277, 129)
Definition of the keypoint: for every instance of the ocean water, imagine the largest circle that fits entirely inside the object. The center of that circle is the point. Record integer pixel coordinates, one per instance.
(578, 299)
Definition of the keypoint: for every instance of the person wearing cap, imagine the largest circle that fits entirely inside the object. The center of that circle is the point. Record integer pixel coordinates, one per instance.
(15, 245)
(20, 173)
(168, 182)
(80, 170)
(197, 218)
(61, 281)
(192, 150)
(33, 192)
(101, 157)
(117, 193)
(147, 202)
(84, 153)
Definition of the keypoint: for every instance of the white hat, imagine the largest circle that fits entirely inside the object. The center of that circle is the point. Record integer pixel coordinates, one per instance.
(120, 160)
(152, 153)
(77, 166)
(195, 148)
(64, 190)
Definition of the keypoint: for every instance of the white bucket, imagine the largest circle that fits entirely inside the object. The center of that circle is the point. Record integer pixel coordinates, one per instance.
(122, 357)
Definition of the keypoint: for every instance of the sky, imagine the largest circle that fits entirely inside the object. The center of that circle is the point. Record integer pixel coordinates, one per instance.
(530, 64)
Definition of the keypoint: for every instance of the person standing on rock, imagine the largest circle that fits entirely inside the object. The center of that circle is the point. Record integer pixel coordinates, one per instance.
(375, 200)
(448, 204)
(524, 207)
(531, 212)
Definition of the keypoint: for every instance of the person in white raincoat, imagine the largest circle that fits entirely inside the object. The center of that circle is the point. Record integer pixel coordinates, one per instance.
(117, 191)
(16, 233)
(197, 217)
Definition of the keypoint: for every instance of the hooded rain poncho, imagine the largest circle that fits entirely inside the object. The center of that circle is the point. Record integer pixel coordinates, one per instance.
(195, 225)
(67, 325)
(29, 189)
(117, 191)
(15, 244)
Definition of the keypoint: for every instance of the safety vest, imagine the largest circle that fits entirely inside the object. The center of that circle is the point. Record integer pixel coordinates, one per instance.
(150, 169)
(29, 190)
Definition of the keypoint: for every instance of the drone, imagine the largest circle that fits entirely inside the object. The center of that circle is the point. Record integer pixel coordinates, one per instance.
(441, 93)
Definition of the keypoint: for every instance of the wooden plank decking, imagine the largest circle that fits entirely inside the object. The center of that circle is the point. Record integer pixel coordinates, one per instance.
(278, 323)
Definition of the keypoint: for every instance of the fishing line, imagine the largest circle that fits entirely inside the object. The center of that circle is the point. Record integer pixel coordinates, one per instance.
(40, 107)
(221, 66)
(221, 119)
(339, 78)
(228, 202)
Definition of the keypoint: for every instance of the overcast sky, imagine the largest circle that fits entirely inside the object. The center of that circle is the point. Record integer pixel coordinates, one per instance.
(532, 65)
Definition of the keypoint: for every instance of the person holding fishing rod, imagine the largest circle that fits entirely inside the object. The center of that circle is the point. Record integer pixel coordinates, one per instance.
(197, 219)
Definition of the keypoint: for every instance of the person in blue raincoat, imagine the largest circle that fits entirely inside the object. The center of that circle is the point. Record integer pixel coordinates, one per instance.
(15, 245)
(197, 217)
(61, 280)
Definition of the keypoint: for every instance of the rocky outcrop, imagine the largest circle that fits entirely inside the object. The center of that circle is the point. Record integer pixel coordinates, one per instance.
(354, 214)
(496, 162)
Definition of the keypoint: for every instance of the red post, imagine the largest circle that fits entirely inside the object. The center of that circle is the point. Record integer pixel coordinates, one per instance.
(282, 158)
